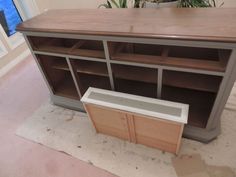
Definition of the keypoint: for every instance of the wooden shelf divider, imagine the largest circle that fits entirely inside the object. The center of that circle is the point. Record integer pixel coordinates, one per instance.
(77, 45)
(165, 52)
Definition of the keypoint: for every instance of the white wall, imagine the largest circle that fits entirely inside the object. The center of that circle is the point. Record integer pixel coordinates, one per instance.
(227, 3)
(27, 8)
(13, 49)
(77, 4)
(67, 4)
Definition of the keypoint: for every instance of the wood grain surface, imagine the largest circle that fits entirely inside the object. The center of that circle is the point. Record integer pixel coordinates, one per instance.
(208, 24)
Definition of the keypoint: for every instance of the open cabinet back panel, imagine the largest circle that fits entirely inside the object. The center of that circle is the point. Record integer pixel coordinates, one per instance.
(200, 103)
(194, 53)
(201, 82)
(141, 49)
(59, 78)
(54, 45)
(136, 87)
(147, 75)
(88, 80)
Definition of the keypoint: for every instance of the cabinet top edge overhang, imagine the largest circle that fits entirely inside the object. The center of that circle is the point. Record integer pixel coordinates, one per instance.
(199, 24)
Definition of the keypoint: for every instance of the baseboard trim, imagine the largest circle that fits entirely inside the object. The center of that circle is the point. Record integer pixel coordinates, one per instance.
(14, 62)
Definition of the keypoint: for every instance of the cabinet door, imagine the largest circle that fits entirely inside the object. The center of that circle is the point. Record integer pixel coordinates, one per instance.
(108, 121)
(160, 134)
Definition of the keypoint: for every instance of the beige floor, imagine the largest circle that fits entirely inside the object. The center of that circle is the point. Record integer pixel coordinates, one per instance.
(71, 132)
(22, 91)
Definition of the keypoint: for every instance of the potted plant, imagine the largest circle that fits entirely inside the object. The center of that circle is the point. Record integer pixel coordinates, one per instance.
(120, 4)
(178, 3)
(159, 3)
(197, 3)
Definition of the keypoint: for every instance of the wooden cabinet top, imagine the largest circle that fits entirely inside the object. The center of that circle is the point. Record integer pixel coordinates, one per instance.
(208, 24)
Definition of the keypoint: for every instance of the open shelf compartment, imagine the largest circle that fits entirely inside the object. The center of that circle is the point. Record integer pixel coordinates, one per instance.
(200, 103)
(134, 52)
(135, 80)
(89, 48)
(176, 56)
(136, 73)
(60, 64)
(198, 58)
(88, 80)
(136, 87)
(84, 48)
(59, 78)
(200, 82)
(50, 44)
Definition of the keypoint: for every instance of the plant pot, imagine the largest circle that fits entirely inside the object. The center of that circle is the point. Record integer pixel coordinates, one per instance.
(161, 4)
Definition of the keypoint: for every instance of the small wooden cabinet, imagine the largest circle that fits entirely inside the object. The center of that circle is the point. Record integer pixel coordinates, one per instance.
(162, 59)
(141, 120)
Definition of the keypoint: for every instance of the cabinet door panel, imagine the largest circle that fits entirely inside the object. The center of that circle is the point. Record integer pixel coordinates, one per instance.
(157, 133)
(109, 121)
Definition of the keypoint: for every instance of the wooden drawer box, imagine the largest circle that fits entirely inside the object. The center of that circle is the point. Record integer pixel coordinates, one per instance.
(152, 122)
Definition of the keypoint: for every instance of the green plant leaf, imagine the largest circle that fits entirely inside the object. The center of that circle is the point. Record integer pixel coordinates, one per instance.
(120, 3)
(109, 4)
(115, 3)
(196, 3)
(124, 4)
(214, 3)
(103, 5)
(137, 3)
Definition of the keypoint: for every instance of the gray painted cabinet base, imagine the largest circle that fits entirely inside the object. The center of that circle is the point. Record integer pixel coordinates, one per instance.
(201, 134)
(211, 128)
(67, 103)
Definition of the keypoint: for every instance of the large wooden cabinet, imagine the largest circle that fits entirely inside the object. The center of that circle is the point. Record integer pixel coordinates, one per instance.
(181, 55)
